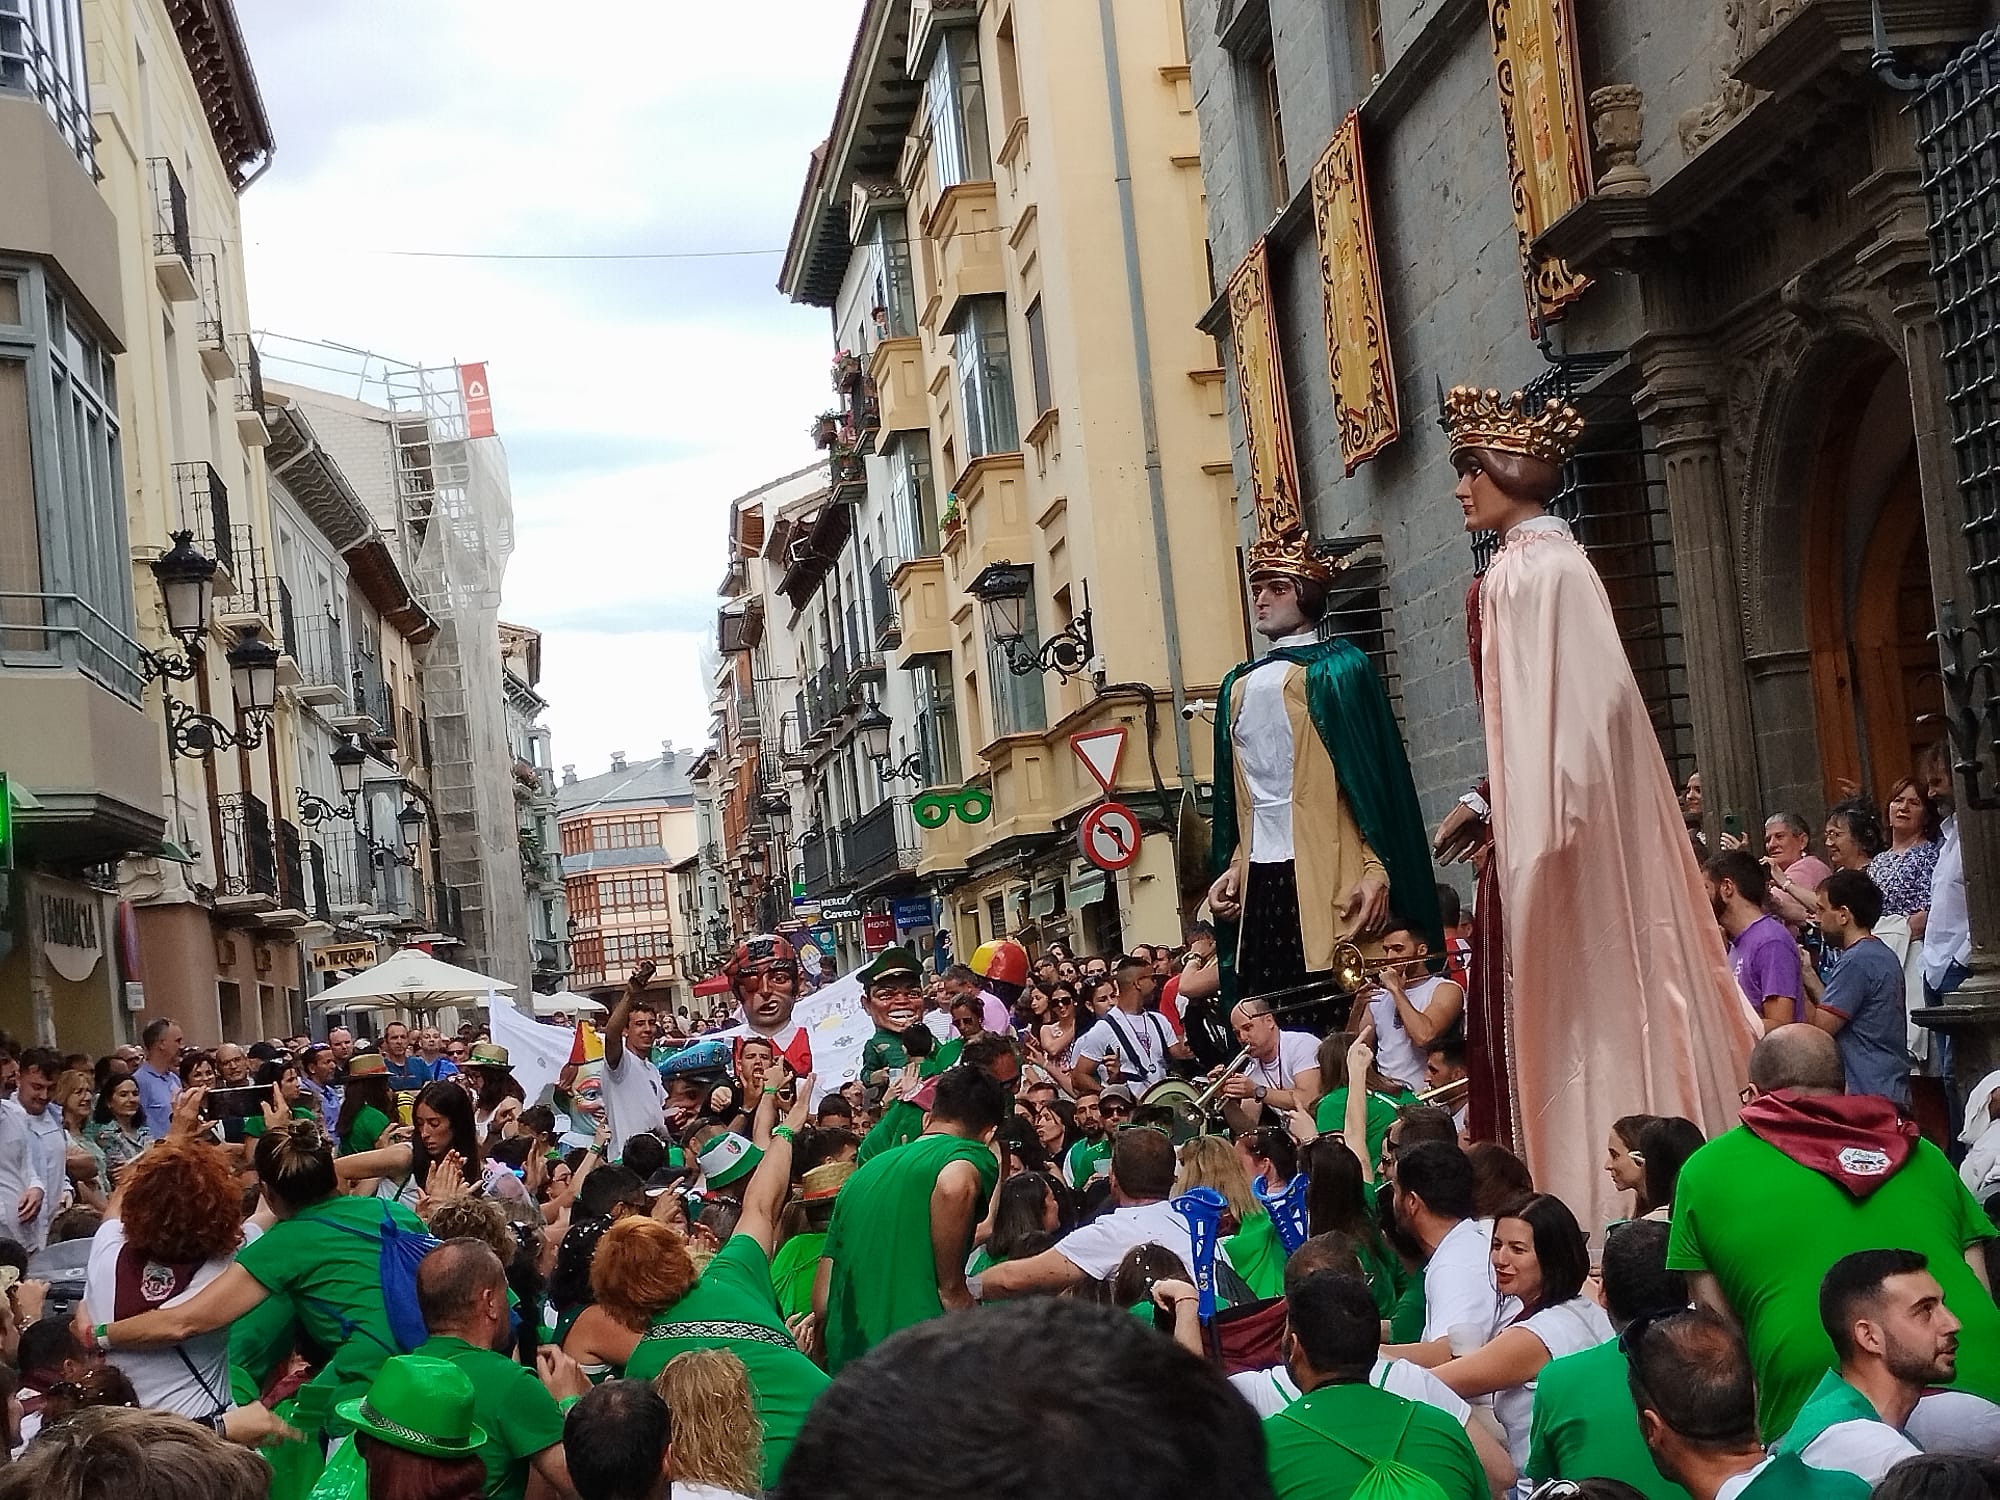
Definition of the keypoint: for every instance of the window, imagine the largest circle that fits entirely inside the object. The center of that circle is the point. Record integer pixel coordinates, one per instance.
(996, 916)
(582, 899)
(895, 292)
(1009, 68)
(632, 892)
(1018, 706)
(41, 54)
(611, 833)
(956, 96)
(985, 380)
(63, 546)
(1038, 358)
(1365, 16)
(937, 721)
(1268, 127)
(911, 500)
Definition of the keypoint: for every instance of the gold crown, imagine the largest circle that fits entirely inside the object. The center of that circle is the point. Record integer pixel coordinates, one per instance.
(1485, 419)
(1290, 557)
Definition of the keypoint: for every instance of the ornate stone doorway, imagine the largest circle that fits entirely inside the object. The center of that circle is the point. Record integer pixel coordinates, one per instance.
(1877, 697)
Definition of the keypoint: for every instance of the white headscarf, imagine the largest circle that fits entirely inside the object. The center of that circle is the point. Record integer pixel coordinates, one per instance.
(1976, 1102)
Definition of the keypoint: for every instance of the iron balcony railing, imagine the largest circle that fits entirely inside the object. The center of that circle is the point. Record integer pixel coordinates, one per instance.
(41, 55)
(820, 857)
(203, 503)
(249, 858)
(447, 910)
(61, 630)
(316, 644)
(349, 864)
(249, 374)
(882, 601)
(317, 902)
(256, 581)
(880, 844)
(370, 692)
(291, 868)
(170, 211)
(208, 292)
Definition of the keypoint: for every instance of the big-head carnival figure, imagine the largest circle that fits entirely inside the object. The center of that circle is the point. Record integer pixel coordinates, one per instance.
(1599, 983)
(1317, 833)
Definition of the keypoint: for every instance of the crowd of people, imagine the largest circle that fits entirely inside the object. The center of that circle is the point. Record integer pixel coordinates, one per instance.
(1073, 1222)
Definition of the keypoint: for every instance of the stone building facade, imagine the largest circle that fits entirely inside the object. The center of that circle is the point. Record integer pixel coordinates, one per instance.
(1768, 486)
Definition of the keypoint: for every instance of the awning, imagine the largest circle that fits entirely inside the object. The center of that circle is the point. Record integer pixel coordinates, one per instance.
(1088, 889)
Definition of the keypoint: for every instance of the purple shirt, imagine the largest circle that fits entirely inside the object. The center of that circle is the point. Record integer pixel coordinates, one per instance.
(1766, 960)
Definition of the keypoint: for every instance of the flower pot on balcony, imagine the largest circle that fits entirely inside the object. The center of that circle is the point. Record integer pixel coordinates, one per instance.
(825, 428)
(846, 370)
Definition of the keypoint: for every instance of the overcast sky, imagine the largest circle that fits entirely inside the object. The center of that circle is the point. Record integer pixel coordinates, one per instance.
(635, 397)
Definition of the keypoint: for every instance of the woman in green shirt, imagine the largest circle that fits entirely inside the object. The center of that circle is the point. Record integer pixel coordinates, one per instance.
(733, 1306)
(288, 1100)
(368, 1108)
(804, 1233)
(1338, 1201)
(322, 1257)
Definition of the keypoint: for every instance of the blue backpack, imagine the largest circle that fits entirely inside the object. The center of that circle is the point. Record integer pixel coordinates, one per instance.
(400, 1251)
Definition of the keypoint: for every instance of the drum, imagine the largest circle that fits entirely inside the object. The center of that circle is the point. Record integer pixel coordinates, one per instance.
(1177, 1097)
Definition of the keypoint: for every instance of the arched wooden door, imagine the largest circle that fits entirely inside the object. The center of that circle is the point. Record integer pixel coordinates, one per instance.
(1877, 696)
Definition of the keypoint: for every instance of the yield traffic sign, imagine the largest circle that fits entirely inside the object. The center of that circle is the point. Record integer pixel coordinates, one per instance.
(1099, 750)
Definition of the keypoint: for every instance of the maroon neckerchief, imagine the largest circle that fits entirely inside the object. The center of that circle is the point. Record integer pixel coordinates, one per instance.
(1855, 1140)
(142, 1283)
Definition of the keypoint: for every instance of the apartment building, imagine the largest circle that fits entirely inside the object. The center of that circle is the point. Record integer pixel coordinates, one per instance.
(1006, 224)
(534, 785)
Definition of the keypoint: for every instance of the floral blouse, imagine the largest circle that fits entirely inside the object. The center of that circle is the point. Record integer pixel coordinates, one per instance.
(116, 1143)
(1905, 878)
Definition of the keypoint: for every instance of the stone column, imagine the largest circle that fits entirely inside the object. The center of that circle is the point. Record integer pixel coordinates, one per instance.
(1677, 383)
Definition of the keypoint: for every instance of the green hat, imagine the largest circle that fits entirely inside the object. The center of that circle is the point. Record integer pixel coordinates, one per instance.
(729, 1158)
(421, 1405)
(892, 961)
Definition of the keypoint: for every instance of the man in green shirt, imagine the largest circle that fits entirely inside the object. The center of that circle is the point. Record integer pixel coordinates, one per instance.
(733, 1305)
(1097, 1116)
(1343, 1426)
(1813, 1174)
(1885, 1314)
(1585, 1425)
(1689, 1376)
(895, 1251)
(462, 1294)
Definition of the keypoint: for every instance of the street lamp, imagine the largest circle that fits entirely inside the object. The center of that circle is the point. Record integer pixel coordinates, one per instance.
(410, 823)
(1002, 589)
(253, 673)
(349, 760)
(874, 726)
(187, 587)
(253, 682)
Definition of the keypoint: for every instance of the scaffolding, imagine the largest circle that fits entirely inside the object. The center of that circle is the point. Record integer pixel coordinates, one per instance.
(454, 523)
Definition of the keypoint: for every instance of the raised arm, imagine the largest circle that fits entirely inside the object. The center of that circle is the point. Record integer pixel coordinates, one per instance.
(384, 1161)
(764, 1197)
(1354, 1119)
(217, 1305)
(614, 1025)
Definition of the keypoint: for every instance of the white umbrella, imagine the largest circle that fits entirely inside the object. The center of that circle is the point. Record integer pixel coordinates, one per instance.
(565, 1003)
(411, 977)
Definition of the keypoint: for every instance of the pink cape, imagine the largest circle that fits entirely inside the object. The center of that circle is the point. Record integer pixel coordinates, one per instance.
(1621, 998)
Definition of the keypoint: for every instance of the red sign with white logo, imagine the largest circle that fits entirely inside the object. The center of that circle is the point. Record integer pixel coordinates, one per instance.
(478, 400)
(878, 931)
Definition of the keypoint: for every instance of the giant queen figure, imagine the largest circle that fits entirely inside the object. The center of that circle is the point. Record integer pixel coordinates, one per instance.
(1599, 983)
(1317, 834)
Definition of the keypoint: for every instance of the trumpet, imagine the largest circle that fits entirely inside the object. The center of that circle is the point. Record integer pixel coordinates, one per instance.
(1202, 1100)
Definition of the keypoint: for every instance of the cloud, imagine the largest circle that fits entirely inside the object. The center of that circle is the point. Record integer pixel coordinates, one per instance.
(635, 397)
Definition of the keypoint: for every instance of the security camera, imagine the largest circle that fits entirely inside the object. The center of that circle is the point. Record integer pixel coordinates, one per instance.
(1194, 708)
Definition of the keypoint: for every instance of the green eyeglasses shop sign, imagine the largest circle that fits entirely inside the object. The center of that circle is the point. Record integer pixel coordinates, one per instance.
(934, 809)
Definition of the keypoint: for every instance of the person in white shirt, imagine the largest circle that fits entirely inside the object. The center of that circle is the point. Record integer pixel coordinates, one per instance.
(1433, 1203)
(1947, 943)
(1409, 1007)
(1540, 1263)
(1281, 1073)
(1142, 1176)
(1271, 1391)
(1894, 1339)
(635, 1098)
(1130, 1039)
(32, 1147)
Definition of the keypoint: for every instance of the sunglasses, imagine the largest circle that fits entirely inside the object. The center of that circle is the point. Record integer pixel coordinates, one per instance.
(1108, 1110)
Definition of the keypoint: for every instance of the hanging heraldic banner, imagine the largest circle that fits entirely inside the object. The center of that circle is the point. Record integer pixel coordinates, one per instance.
(1357, 341)
(1260, 393)
(1548, 154)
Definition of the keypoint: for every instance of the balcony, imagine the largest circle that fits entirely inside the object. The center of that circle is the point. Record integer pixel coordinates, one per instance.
(897, 368)
(202, 506)
(246, 859)
(173, 244)
(749, 722)
(881, 847)
(317, 900)
(993, 514)
(294, 907)
(217, 363)
(250, 426)
(923, 620)
(846, 472)
(550, 959)
(317, 648)
(793, 731)
(882, 603)
(447, 910)
(965, 224)
(820, 855)
(253, 603)
(348, 865)
(366, 710)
